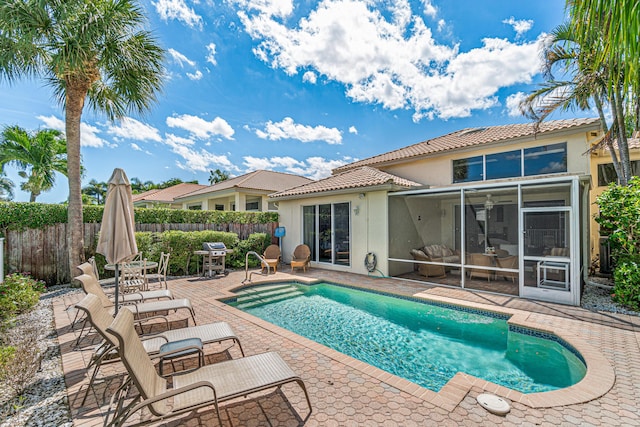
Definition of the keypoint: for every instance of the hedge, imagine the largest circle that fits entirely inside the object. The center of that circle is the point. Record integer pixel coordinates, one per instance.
(19, 216)
(182, 244)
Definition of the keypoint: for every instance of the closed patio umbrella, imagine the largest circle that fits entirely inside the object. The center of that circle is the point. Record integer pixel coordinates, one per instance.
(117, 240)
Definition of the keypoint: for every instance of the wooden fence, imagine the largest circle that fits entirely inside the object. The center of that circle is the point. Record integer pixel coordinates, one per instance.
(43, 252)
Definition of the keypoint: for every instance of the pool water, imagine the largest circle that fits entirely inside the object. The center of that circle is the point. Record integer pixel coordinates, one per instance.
(422, 342)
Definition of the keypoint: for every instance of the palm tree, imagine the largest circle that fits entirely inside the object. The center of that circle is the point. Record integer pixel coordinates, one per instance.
(92, 51)
(6, 189)
(96, 191)
(617, 21)
(217, 176)
(588, 84)
(38, 154)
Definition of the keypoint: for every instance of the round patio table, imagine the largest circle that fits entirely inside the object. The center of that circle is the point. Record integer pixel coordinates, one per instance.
(149, 265)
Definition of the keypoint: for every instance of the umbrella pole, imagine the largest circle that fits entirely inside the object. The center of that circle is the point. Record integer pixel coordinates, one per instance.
(117, 288)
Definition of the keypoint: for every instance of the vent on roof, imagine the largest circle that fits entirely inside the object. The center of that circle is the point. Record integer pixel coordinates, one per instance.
(470, 131)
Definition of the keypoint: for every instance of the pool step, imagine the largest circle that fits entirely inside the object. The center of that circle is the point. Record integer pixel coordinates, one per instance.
(255, 299)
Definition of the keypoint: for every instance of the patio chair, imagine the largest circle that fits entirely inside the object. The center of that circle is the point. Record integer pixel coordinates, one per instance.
(482, 260)
(91, 286)
(209, 385)
(100, 319)
(428, 270)
(133, 278)
(272, 257)
(301, 257)
(161, 275)
(508, 262)
(142, 296)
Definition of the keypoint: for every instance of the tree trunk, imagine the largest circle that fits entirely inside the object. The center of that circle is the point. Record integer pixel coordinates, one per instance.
(75, 238)
(623, 146)
(608, 139)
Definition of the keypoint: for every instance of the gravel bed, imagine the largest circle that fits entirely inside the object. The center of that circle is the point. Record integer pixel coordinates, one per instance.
(45, 402)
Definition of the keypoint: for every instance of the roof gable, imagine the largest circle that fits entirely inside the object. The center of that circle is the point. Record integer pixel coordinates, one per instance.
(260, 180)
(363, 177)
(167, 195)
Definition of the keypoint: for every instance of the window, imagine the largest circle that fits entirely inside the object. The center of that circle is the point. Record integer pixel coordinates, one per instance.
(541, 160)
(465, 170)
(503, 165)
(326, 230)
(607, 173)
(252, 206)
(219, 207)
(197, 207)
(545, 159)
(273, 206)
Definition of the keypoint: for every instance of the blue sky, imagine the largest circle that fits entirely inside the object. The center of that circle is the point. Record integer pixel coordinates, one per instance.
(306, 86)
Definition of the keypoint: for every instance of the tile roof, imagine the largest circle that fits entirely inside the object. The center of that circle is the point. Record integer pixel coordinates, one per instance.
(467, 138)
(351, 179)
(167, 195)
(260, 180)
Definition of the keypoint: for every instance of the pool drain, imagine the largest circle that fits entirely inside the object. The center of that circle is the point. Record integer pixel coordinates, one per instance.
(494, 404)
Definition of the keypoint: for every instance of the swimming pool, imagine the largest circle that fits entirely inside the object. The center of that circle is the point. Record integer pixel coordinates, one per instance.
(426, 343)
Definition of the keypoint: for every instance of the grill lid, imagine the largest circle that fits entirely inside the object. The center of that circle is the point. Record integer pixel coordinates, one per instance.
(214, 246)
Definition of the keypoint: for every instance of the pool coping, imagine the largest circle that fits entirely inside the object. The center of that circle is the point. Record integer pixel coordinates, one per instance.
(598, 380)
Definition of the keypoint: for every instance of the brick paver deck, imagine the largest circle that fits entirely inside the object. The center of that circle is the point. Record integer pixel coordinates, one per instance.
(346, 392)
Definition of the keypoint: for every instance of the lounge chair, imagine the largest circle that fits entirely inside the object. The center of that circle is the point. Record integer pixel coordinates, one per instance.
(272, 257)
(142, 296)
(100, 319)
(207, 386)
(301, 257)
(91, 286)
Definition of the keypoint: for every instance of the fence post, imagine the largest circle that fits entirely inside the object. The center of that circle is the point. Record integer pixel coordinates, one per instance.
(1, 259)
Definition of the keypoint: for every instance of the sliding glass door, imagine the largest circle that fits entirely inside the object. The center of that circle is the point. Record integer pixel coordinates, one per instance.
(326, 230)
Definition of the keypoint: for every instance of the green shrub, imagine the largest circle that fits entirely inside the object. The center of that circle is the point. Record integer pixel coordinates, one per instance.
(256, 242)
(20, 216)
(626, 290)
(18, 293)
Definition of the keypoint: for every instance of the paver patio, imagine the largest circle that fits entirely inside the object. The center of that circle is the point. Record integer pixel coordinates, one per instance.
(345, 392)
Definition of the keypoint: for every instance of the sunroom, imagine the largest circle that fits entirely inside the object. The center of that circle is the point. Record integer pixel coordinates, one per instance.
(526, 238)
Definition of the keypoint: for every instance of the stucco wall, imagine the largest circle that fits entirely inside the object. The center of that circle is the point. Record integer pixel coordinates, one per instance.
(438, 169)
(368, 228)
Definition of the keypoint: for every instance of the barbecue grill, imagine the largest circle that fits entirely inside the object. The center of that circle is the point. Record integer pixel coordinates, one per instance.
(214, 259)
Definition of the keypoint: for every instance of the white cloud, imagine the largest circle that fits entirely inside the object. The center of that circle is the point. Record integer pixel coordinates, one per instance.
(388, 57)
(88, 134)
(277, 8)
(195, 76)
(196, 160)
(429, 9)
(135, 146)
(520, 26)
(178, 10)
(211, 56)
(310, 77)
(287, 129)
(201, 128)
(312, 167)
(513, 104)
(133, 129)
(353, 130)
(180, 58)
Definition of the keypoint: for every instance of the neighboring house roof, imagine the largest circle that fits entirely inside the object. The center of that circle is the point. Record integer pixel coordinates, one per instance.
(360, 178)
(470, 137)
(260, 180)
(167, 195)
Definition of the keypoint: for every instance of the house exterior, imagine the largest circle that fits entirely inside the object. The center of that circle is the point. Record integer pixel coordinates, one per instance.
(164, 197)
(603, 173)
(246, 192)
(502, 209)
